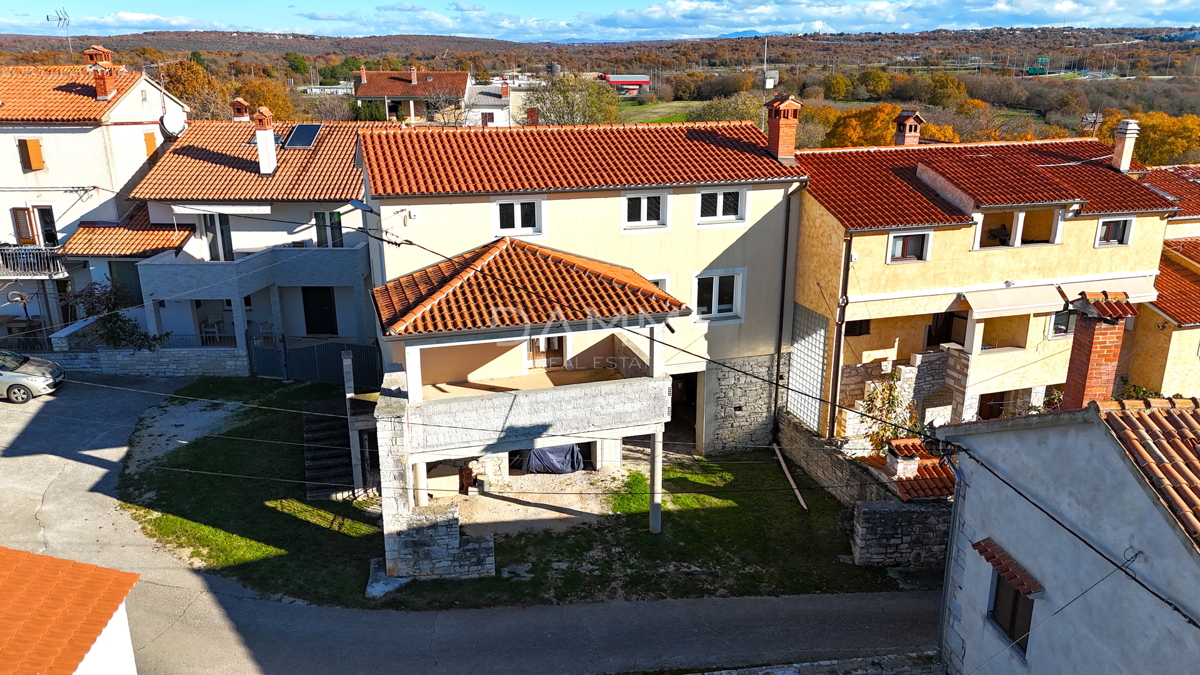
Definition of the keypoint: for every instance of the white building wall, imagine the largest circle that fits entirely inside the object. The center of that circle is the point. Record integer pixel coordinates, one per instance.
(112, 652)
(1072, 466)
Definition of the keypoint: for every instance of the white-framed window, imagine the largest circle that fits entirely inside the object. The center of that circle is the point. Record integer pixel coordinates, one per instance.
(904, 247)
(642, 211)
(329, 229)
(1062, 324)
(1114, 232)
(216, 231)
(662, 281)
(720, 295)
(35, 224)
(519, 217)
(721, 205)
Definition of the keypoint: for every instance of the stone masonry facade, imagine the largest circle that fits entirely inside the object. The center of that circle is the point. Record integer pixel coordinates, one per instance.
(740, 407)
(847, 479)
(215, 361)
(890, 533)
(428, 545)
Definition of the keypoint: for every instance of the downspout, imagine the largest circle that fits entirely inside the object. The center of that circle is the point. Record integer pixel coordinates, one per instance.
(948, 575)
(835, 381)
(783, 300)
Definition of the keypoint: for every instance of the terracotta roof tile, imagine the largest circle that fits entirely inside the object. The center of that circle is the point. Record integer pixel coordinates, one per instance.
(470, 291)
(1007, 568)
(213, 162)
(1107, 305)
(1181, 182)
(868, 188)
(933, 479)
(56, 95)
(133, 237)
(400, 84)
(1178, 292)
(52, 610)
(1160, 437)
(458, 160)
(999, 181)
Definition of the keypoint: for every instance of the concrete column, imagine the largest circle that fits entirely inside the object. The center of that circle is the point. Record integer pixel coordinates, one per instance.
(360, 478)
(239, 321)
(53, 309)
(1018, 227)
(412, 111)
(656, 483)
(701, 412)
(412, 366)
(276, 310)
(361, 300)
(153, 319)
(658, 361)
(421, 476)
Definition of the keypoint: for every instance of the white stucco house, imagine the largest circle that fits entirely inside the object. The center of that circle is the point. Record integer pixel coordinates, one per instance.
(1075, 545)
(72, 138)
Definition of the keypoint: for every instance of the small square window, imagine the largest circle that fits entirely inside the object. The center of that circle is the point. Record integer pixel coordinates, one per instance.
(721, 205)
(643, 210)
(1113, 233)
(908, 247)
(717, 295)
(708, 205)
(858, 328)
(1063, 323)
(1012, 612)
(518, 218)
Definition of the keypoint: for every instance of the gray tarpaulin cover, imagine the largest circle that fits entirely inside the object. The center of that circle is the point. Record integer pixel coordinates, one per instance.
(556, 459)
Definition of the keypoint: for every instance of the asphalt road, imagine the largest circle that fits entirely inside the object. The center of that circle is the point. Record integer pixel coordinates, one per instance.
(59, 461)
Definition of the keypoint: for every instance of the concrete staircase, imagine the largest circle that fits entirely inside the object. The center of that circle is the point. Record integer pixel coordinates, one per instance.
(327, 461)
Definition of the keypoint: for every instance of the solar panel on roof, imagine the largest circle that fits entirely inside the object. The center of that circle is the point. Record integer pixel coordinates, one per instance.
(303, 136)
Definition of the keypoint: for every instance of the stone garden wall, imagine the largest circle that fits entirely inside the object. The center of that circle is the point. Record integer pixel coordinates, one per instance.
(900, 534)
(217, 361)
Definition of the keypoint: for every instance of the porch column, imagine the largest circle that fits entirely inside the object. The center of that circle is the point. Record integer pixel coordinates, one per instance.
(412, 110)
(153, 320)
(1018, 227)
(421, 474)
(239, 320)
(360, 311)
(412, 366)
(656, 483)
(52, 318)
(355, 446)
(658, 361)
(276, 310)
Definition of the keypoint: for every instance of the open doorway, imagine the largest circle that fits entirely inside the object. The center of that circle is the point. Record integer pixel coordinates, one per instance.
(679, 434)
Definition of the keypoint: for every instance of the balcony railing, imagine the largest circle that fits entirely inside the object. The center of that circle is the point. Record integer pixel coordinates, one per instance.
(31, 262)
(177, 341)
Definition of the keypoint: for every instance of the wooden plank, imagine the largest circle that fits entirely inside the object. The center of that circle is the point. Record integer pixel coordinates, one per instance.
(779, 455)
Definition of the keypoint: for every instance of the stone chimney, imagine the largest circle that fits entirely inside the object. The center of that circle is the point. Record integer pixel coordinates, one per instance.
(412, 75)
(264, 140)
(504, 89)
(105, 81)
(98, 55)
(531, 116)
(900, 466)
(783, 115)
(1096, 347)
(241, 109)
(908, 127)
(1127, 133)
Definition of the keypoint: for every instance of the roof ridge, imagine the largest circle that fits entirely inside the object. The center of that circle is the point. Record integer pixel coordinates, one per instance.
(568, 127)
(1120, 405)
(560, 257)
(453, 282)
(883, 148)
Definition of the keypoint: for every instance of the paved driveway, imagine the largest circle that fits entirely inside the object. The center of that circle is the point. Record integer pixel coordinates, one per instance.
(59, 460)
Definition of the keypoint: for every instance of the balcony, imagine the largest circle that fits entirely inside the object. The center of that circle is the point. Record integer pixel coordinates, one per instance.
(31, 262)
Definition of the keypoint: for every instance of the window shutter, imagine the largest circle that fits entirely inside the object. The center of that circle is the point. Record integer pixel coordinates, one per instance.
(31, 154)
(1022, 621)
(23, 226)
(151, 144)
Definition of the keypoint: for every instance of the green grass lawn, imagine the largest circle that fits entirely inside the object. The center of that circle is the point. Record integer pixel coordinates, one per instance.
(752, 539)
(671, 111)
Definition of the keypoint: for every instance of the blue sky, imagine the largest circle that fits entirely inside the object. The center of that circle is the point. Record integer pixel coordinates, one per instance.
(534, 20)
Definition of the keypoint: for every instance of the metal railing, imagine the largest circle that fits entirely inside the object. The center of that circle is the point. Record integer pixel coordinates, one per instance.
(25, 343)
(31, 262)
(178, 341)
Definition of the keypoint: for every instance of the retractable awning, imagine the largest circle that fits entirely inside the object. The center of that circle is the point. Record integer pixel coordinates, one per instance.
(1140, 289)
(1009, 301)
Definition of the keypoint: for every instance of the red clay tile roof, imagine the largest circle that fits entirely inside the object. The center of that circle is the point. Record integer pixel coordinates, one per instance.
(211, 162)
(399, 84)
(1181, 182)
(1161, 436)
(482, 287)
(459, 160)
(1186, 247)
(53, 610)
(996, 181)
(1108, 305)
(1178, 292)
(133, 237)
(1007, 568)
(869, 188)
(933, 479)
(56, 96)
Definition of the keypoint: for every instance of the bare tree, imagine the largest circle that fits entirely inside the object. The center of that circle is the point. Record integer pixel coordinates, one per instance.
(331, 107)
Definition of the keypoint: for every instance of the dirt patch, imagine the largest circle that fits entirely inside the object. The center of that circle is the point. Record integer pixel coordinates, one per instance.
(170, 425)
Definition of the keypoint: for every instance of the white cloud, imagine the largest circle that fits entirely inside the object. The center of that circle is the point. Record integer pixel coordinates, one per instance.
(132, 21)
(465, 7)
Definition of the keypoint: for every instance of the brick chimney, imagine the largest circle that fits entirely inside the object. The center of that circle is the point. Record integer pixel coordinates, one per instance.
(531, 116)
(264, 140)
(412, 75)
(504, 89)
(241, 109)
(1096, 347)
(1127, 133)
(98, 55)
(908, 127)
(783, 115)
(105, 81)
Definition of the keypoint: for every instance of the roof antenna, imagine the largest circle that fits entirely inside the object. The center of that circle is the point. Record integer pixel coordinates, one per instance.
(63, 19)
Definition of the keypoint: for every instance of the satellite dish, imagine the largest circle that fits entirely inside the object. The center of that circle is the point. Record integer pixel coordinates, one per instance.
(174, 123)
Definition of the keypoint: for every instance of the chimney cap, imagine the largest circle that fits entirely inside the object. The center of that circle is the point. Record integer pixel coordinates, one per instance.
(1128, 127)
(784, 102)
(906, 115)
(263, 119)
(1104, 305)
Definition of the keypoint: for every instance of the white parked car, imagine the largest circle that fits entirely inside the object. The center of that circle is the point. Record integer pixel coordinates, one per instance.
(23, 377)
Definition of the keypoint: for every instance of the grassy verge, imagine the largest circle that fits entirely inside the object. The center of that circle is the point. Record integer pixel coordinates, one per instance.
(752, 539)
(671, 111)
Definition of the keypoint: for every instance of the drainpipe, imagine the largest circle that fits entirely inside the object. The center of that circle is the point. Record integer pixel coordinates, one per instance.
(839, 336)
(783, 300)
(947, 576)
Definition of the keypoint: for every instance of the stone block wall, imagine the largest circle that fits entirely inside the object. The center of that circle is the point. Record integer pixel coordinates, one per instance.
(739, 408)
(428, 545)
(845, 478)
(900, 534)
(216, 361)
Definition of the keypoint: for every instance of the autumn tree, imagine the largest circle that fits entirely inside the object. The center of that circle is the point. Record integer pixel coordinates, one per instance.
(865, 126)
(270, 93)
(296, 63)
(838, 86)
(572, 99)
(740, 106)
(939, 132)
(946, 91)
(187, 81)
(1163, 139)
(876, 82)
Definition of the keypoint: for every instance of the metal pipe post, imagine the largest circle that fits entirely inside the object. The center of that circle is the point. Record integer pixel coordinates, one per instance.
(656, 483)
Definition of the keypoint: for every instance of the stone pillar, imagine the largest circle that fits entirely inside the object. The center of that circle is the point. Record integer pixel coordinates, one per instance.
(421, 475)
(276, 310)
(656, 483)
(153, 318)
(412, 366)
(609, 453)
(355, 447)
(239, 321)
(53, 310)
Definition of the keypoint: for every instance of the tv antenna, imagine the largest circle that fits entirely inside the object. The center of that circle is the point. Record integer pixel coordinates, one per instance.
(63, 20)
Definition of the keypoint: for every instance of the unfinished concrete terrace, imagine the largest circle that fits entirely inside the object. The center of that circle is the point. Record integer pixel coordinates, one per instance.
(542, 380)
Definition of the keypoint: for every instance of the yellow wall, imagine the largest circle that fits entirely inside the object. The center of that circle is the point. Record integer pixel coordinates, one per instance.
(1183, 228)
(1007, 331)
(591, 224)
(890, 338)
(1147, 350)
(1043, 361)
(472, 362)
(819, 258)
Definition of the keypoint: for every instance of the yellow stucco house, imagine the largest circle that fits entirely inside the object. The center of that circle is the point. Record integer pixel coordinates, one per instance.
(953, 263)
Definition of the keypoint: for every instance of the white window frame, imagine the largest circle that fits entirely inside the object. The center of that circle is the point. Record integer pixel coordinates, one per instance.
(739, 219)
(1100, 230)
(664, 213)
(928, 234)
(328, 229)
(664, 278)
(539, 213)
(739, 297)
(37, 223)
